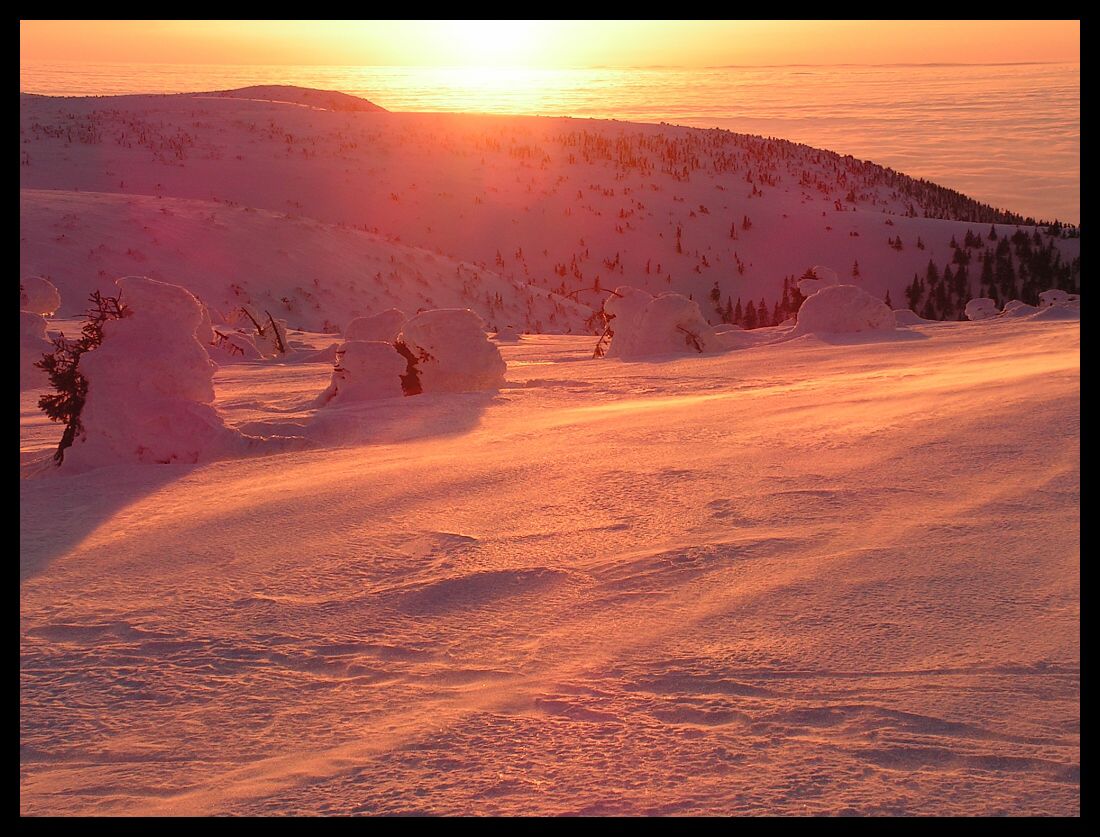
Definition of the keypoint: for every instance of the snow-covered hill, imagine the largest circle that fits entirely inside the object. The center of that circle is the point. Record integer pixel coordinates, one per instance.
(564, 204)
(316, 276)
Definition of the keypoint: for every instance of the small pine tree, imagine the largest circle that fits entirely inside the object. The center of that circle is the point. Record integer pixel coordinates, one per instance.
(62, 367)
(762, 314)
(855, 269)
(738, 314)
(889, 304)
(750, 316)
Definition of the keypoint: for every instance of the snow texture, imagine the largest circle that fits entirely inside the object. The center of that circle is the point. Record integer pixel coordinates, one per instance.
(365, 371)
(453, 352)
(384, 326)
(647, 326)
(39, 296)
(150, 385)
(843, 309)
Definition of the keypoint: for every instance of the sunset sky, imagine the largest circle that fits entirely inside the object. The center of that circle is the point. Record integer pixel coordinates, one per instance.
(550, 43)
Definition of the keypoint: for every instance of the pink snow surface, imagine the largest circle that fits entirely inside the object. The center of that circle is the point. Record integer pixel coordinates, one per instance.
(779, 580)
(784, 578)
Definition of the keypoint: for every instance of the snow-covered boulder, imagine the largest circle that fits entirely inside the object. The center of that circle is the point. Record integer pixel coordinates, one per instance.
(843, 309)
(383, 326)
(365, 371)
(39, 296)
(150, 385)
(648, 326)
(824, 277)
(33, 343)
(981, 308)
(453, 354)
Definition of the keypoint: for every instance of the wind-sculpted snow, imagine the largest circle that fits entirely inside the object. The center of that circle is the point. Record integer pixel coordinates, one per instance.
(981, 308)
(774, 580)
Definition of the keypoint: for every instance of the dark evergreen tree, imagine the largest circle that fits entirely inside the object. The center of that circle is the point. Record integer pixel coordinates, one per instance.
(762, 314)
(750, 316)
(62, 366)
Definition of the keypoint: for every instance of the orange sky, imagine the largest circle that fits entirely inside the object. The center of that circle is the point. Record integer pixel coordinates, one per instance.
(550, 43)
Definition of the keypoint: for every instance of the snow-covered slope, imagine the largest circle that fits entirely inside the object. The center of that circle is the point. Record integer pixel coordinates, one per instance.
(313, 275)
(562, 203)
(803, 578)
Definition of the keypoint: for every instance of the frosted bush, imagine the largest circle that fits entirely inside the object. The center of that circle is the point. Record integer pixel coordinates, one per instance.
(843, 309)
(39, 296)
(648, 326)
(364, 371)
(981, 308)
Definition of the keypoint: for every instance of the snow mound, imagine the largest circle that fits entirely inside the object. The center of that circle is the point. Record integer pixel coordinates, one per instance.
(981, 308)
(843, 309)
(647, 326)
(365, 371)
(39, 296)
(508, 334)
(907, 316)
(150, 385)
(383, 326)
(1018, 308)
(32, 345)
(824, 277)
(1058, 297)
(453, 354)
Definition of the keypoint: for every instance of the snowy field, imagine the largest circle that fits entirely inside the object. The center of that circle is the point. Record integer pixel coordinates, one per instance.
(821, 567)
(814, 577)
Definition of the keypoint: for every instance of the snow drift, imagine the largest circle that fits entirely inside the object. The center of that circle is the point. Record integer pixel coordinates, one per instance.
(365, 371)
(453, 354)
(150, 385)
(843, 309)
(647, 326)
(38, 295)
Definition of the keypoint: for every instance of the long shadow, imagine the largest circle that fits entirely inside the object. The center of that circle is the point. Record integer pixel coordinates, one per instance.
(57, 511)
(382, 422)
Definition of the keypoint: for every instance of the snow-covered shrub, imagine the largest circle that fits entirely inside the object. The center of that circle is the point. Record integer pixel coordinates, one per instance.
(823, 277)
(1018, 308)
(648, 326)
(364, 371)
(150, 385)
(1055, 296)
(843, 309)
(39, 296)
(981, 308)
(383, 326)
(452, 352)
(33, 344)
